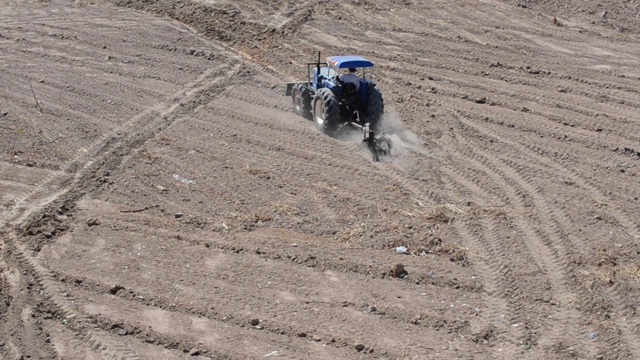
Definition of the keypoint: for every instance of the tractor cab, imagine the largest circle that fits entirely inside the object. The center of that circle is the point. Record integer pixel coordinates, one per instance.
(327, 75)
(340, 63)
(350, 95)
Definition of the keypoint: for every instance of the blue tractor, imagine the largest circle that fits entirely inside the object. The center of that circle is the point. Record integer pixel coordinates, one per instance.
(337, 101)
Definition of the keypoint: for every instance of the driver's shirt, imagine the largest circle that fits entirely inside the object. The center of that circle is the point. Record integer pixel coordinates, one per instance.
(351, 78)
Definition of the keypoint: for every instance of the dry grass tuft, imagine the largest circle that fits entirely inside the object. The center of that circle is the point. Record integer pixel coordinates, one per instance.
(408, 214)
(166, 138)
(474, 211)
(398, 189)
(593, 279)
(352, 233)
(261, 173)
(87, 3)
(442, 214)
(632, 272)
(147, 157)
(600, 203)
(286, 209)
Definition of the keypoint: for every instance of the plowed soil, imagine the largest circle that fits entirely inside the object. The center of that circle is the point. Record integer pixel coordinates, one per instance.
(161, 200)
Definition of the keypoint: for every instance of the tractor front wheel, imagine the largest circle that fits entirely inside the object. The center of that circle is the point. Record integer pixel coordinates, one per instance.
(326, 111)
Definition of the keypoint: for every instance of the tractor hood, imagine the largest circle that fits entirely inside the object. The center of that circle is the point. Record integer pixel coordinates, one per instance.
(345, 62)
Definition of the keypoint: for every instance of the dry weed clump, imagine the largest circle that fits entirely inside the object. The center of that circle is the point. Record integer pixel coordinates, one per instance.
(474, 211)
(286, 209)
(397, 189)
(351, 233)
(235, 221)
(166, 138)
(442, 214)
(261, 173)
(87, 3)
(453, 251)
(631, 272)
(147, 156)
(594, 279)
(433, 246)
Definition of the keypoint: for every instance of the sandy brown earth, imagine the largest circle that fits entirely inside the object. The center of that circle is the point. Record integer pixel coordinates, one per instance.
(159, 198)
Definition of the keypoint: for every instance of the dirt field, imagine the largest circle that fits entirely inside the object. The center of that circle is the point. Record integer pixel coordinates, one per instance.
(159, 199)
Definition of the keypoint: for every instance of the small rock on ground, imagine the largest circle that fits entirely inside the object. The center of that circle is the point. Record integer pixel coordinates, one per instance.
(115, 288)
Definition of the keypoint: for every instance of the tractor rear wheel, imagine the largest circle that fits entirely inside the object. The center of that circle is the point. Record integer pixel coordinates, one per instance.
(326, 111)
(375, 107)
(301, 97)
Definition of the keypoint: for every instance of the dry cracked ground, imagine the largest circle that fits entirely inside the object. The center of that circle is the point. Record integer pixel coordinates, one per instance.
(161, 200)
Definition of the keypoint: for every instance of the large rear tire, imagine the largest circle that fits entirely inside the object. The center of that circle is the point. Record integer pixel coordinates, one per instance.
(326, 111)
(375, 107)
(301, 97)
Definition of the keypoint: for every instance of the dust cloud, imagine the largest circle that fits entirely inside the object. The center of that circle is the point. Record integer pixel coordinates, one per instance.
(401, 138)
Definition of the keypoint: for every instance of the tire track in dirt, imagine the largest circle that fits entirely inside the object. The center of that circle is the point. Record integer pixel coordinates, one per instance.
(555, 242)
(559, 289)
(619, 299)
(508, 305)
(630, 226)
(104, 143)
(493, 268)
(565, 159)
(54, 293)
(101, 151)
(545, 243)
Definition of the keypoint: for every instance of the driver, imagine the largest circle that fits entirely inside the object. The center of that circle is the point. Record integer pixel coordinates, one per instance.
(351, 77)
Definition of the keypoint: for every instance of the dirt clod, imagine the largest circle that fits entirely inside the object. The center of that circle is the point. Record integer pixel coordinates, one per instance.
(398, 271)
(115, 289)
